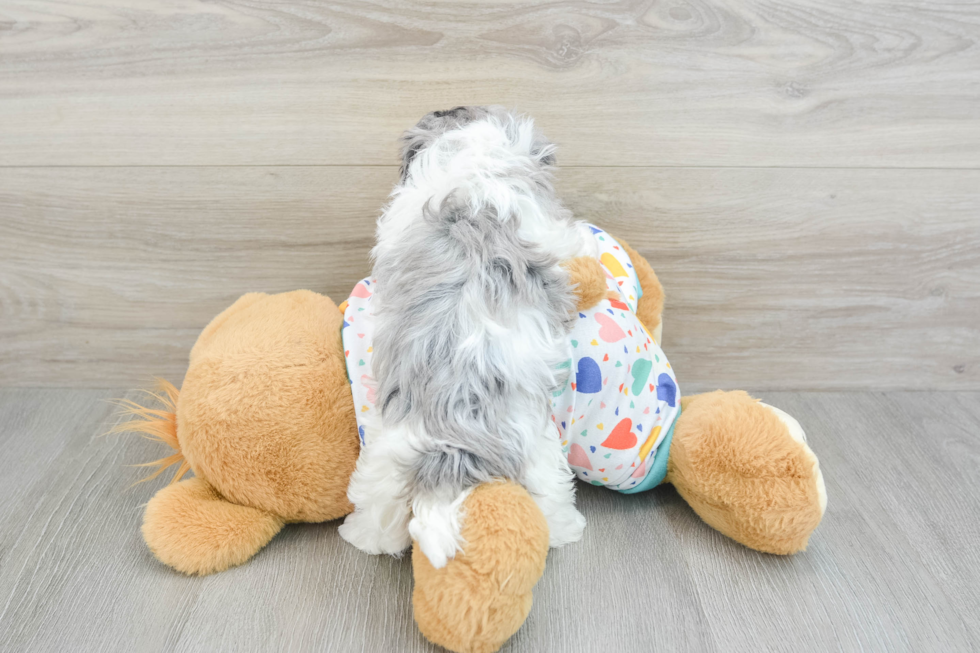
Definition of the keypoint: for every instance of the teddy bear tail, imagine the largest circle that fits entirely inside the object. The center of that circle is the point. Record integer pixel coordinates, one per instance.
(158, 424)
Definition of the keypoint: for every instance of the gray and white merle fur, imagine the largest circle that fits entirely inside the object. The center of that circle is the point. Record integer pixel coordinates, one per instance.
(472, 312)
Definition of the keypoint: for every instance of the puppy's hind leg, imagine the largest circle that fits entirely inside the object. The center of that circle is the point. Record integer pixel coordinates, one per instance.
(437, 523)
(551, 484)
(381, 491)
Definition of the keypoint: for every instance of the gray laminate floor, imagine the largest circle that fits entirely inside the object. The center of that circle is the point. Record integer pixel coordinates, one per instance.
(893, 567)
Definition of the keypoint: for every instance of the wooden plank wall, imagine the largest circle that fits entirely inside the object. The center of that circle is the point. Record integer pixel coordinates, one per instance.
(804, 175)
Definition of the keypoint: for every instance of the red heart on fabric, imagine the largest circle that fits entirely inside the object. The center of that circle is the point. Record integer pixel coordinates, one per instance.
(621, 437)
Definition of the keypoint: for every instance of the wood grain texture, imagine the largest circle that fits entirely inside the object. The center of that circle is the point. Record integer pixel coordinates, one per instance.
(76, 574)
(630, 82)
(775, 278)
(894, 532)
(893, 566)
(805, 279)
(108, 275)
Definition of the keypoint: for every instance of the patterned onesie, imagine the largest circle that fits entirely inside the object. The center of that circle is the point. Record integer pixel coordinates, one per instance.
(616, 412)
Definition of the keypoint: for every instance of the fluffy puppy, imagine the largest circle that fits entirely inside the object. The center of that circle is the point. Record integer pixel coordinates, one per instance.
(471, 310)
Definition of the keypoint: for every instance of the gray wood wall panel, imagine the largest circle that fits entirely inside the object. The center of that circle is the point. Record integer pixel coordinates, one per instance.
(708, 82)
(804, 174)
(775, 278)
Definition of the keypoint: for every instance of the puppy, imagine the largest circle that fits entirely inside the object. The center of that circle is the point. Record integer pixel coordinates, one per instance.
(471, 310)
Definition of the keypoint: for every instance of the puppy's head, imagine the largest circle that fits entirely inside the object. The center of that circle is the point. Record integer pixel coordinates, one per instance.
(436, 123)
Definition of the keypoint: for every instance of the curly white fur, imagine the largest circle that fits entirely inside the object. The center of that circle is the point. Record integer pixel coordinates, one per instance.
(472, 312)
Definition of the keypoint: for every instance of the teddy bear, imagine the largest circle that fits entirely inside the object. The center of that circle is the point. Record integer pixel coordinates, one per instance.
(266, 421)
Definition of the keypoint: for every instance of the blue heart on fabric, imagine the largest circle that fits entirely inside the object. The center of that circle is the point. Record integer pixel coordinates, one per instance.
(666, 389)
(588, 377)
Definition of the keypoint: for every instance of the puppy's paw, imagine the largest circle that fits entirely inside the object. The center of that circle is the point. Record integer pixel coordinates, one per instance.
(565, 526)
(437, 527)
(369, 535)
(588, 280)
(438, 546)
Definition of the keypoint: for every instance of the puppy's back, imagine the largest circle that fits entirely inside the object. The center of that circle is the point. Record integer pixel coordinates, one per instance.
(470, 337)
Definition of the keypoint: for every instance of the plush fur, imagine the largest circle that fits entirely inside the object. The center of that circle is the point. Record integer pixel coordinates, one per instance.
(588, 279)
(477, 603)
(264, 420)
(192, 528)
(266, 393)
(759, 490)
(650, 308)
(158, 424)
(472, 311)
(264, 404)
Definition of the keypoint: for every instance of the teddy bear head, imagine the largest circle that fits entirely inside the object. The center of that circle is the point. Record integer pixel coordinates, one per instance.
(265, 412)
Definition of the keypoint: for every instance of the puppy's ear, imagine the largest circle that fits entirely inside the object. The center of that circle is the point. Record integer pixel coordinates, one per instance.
(543, 150)
(430, 127)
(412, 143)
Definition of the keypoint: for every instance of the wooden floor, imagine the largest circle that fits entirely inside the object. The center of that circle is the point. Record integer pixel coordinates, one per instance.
(893, 567)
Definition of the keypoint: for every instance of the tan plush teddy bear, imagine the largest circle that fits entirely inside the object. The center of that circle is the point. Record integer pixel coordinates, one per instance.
(266, 421)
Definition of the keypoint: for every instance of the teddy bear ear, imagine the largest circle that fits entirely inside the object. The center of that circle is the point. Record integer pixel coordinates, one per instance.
(192, 528)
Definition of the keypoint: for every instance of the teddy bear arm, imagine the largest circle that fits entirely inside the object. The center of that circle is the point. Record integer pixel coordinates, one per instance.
(650, 308)
(738, 465)
(588, 281)
(192, 528)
